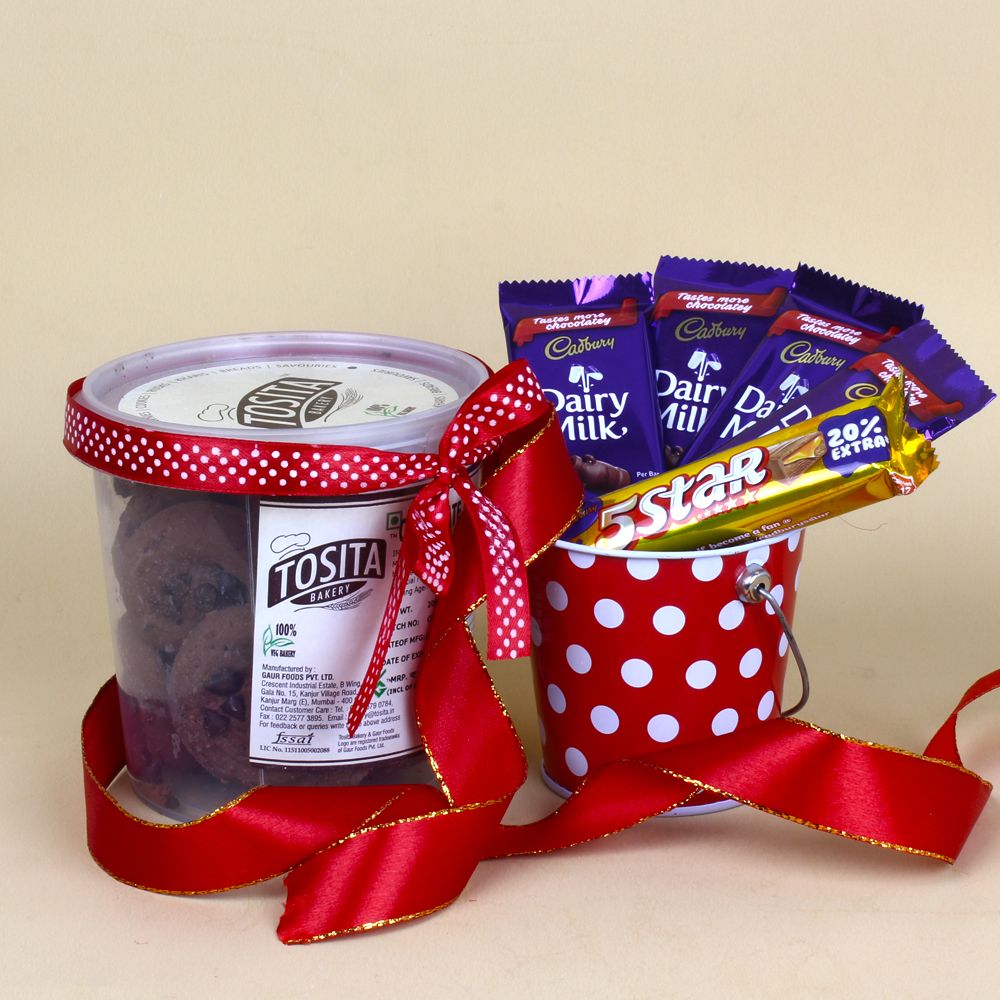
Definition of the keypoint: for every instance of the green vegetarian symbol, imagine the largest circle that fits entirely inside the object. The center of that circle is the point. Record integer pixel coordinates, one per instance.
(272, 641)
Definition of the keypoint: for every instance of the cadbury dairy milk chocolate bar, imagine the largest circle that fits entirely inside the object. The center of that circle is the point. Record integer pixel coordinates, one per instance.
(836, 462)
(942, 389)
(587, 340)
(827, 324)
(708, 317)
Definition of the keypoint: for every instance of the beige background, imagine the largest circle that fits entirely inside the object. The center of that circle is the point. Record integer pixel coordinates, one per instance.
(171, 170)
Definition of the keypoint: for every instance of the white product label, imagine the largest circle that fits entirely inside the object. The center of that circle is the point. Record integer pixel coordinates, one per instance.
(323, 576)
(289, 393)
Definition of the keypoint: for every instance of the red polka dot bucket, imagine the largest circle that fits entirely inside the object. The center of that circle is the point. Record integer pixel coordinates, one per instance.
(633, 651)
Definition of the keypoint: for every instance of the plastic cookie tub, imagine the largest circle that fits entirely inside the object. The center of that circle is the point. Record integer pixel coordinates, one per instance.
(243, 624)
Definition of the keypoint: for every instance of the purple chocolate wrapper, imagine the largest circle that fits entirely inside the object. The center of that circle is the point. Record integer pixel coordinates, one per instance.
(942, 388)
(587, 340)
(708, 318)
(827, 325)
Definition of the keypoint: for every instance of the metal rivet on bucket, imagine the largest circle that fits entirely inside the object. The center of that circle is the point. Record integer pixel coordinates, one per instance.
(753, 585)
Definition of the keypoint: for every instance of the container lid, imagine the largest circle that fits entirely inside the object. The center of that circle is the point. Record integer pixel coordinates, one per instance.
(327, 387)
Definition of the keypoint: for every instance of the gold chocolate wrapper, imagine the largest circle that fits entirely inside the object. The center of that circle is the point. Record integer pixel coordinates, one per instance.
(836, 462)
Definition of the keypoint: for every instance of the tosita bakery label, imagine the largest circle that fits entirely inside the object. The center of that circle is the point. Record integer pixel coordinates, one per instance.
(322, 580)
(285, 394)
(332, 571)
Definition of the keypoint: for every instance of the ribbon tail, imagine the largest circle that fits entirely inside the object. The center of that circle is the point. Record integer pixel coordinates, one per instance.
(388, 873)
(505, 581)
(944, 743)
(404, 865)
(787, 768)
(397, 588)
(261, 834)
(827, 781)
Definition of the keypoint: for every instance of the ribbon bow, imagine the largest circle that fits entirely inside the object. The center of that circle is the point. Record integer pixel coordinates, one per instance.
(504, 404)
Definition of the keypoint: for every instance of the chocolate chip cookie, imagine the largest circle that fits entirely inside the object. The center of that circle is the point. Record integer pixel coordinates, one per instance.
(142, 669)
(181, 564)
(153, 749)
(143, 502)
(208, 690)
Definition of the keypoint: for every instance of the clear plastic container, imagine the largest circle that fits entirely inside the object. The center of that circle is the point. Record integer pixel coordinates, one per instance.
(242, 624)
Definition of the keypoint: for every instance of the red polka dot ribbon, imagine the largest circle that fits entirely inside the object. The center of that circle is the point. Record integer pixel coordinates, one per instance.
(496, 412)
(502, 405)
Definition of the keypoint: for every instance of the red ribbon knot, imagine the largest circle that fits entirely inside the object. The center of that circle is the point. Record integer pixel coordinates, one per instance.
(502, 405)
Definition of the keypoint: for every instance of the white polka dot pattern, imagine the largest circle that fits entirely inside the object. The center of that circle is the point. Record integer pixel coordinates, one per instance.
(556, 698)
(578, 658)
(725, 721)
(731, 616)
(645, 660)
(604, 719)
(766, 706)
(700, 674)
(576, 761)
(706, 568)
(609, 613)
(555, 594)
(750, 662)
(663, 728)
(642, 569)
(668, 620)
(636, 673)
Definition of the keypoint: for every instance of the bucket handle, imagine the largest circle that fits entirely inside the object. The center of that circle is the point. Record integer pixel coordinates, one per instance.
(753, 585)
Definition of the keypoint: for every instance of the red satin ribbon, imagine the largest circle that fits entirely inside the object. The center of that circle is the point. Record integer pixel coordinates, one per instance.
(361, 858)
